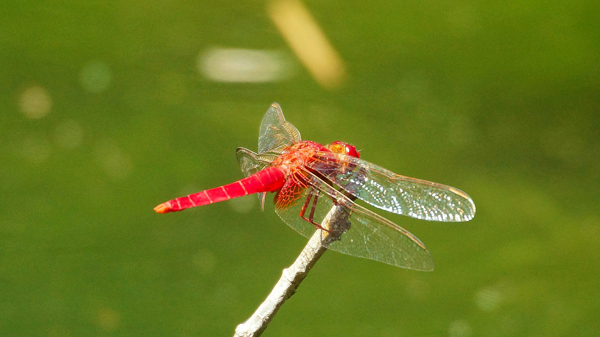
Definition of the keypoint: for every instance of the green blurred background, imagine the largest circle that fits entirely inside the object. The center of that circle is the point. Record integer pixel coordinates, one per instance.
(108, 108)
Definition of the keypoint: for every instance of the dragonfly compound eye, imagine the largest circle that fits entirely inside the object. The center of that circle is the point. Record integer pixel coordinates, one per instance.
(344, 148)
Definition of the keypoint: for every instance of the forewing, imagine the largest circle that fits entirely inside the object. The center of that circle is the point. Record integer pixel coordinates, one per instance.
(275, 132)
(370, 236)
(395, 193)
(251, 163)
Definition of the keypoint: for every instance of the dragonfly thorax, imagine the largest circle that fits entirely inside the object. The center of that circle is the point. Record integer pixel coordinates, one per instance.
(297, 155)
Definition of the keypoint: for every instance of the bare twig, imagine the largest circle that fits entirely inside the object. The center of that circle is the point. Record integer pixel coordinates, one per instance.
(336, 222)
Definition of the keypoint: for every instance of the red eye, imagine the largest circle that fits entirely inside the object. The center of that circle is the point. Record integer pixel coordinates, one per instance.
(348, 149)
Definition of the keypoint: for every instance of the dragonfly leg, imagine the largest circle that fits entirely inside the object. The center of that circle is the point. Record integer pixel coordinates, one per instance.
(310, 218)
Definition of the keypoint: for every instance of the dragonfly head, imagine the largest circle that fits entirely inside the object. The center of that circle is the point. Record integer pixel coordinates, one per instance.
(344, 148)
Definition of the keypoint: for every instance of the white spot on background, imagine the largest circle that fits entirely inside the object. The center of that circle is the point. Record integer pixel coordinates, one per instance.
(116, 162)
(243, 65)
(95, 76)
(35, 150)
(413, 87)
(35, 102)
(417, 288)
(463, 20)
(68, 134)
(564, 142)
(205, 261)
(108, 319)
(460, 328)
(488, 299)
(244, 204)
(225, 294)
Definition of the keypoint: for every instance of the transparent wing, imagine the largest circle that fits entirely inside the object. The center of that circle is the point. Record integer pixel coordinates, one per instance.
(394, 193)
(251, 163)
(370, 236)
(275, 132)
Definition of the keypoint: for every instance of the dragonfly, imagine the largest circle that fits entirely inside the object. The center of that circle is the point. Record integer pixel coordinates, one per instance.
(309, 178)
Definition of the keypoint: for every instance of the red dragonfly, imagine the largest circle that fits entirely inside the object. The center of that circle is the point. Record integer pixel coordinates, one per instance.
(310, 178)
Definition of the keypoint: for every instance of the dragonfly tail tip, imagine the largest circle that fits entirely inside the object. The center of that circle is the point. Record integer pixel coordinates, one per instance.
(163, 208)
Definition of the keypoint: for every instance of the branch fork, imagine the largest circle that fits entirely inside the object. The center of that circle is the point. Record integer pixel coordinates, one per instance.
(336, 222)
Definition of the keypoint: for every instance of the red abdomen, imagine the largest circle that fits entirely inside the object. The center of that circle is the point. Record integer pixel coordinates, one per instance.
(270, 179)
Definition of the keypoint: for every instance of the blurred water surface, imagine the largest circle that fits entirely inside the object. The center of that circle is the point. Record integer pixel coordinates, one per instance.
(109, 108)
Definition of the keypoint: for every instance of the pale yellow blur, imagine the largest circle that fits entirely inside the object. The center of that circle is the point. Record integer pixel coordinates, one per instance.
(308, 41)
